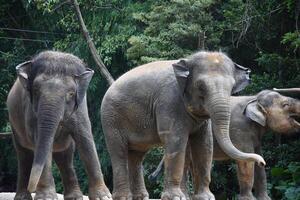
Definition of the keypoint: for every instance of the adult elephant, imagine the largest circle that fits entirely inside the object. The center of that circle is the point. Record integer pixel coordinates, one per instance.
(163, 103)
(251, 118)
(48, 115)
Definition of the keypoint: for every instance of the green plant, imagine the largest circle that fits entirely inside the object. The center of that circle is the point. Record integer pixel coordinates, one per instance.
(287, 181)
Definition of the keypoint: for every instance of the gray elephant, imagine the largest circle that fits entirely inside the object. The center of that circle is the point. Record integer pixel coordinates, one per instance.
(48, 115)
(162, 103)
(251, 117)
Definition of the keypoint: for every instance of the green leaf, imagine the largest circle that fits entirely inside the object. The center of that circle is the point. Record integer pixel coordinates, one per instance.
(277, 171)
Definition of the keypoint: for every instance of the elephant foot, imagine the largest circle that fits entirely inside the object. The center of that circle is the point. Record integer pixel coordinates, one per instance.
(141, 195)
(173, 194)
(186, 193)
(187, 196)
(23, 196)
(74, 195)
(263, 197)
(100, 193)
(45, 195)
(206, 195)
(246, 197)
(122, 196)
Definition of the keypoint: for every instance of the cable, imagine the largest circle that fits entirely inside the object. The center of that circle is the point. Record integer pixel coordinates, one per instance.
(31, 31)
(24, 39)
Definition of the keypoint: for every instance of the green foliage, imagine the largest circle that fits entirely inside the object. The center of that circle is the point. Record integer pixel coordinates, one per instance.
(174, 29)
(288, 181)
(283, 170)
(259, 34)
(292, 39)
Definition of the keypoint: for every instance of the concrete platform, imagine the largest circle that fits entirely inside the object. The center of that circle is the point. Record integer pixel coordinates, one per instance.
(11, 195)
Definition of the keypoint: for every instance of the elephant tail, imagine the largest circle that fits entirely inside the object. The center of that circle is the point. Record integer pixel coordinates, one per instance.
(154, 175)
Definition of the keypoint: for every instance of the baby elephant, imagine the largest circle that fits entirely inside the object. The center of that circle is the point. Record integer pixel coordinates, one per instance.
(48, 115)
(251, 117)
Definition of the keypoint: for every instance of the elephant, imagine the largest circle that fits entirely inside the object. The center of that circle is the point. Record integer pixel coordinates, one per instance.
(162, 103)
(48, 114)
(251, 118)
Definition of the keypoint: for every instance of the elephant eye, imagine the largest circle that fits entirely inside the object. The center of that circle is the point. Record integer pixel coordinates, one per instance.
(285, 105)
(200, 86)
(70, 96)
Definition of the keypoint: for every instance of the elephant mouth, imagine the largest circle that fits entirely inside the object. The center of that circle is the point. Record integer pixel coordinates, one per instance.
(296, 119)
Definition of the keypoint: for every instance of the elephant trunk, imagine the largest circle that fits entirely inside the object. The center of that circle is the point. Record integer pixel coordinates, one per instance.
(49, 115)
(219, 109)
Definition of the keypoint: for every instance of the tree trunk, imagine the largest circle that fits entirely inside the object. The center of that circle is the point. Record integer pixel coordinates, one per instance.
(103, 70)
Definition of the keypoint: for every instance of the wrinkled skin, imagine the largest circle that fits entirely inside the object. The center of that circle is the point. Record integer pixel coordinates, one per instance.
(163, 103)
(251, 117)
(48, 114)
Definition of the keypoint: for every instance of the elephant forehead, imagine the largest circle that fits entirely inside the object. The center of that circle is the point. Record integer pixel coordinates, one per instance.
(215, 58)
(271, 99)
(54, 79)
(56, 83)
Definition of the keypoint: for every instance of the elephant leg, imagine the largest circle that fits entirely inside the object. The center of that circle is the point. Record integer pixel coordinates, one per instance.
(137, 184)
(25, 159)
(118, 151)
(185, 177)
(85, 144)
(46, 188)
(202, 154)
(64, 161)
(175, 147)
(245, 172)
(260, 182)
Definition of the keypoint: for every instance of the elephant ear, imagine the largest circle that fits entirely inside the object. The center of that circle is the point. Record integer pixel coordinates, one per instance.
(182, 72)
(82, 82)
(23, 71)
(253, 112)
(242, 78)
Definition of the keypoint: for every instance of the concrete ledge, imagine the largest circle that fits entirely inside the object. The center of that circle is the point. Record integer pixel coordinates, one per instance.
(11, 195)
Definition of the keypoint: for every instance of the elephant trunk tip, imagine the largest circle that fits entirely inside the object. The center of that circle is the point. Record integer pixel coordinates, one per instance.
(257, 158)
(35, 175)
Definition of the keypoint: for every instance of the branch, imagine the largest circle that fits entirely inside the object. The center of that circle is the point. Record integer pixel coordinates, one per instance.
(60, 5)
(103, 70)
(5, 135)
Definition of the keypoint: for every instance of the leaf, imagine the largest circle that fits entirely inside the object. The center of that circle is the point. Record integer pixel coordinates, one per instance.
(292, 193)
(277, 171)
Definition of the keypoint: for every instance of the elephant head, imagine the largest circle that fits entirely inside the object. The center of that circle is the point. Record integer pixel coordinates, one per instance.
(279, 113)
(56, 85)
(206, 81)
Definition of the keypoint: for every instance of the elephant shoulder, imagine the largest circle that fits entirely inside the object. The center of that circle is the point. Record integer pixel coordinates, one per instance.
(16, 96)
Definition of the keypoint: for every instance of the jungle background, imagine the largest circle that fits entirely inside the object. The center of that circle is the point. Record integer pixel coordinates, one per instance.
(260, 34)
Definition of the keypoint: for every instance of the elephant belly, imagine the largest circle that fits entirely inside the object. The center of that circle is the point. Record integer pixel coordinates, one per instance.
(26, 140)
(143, 140)
(62, 142)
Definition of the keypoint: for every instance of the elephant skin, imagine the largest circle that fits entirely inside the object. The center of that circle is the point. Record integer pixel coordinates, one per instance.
(251, 117)
(163, 103)
(48, 115)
